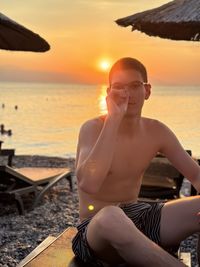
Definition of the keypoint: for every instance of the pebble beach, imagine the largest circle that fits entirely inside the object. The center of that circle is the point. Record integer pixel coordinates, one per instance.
(20, 234)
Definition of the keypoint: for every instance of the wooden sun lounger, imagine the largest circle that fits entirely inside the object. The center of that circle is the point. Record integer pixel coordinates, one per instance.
(58, 252)
(161, 181)
(15, 183)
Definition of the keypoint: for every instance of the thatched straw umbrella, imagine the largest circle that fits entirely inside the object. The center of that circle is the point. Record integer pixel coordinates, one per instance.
(14, 36)
(176, 20)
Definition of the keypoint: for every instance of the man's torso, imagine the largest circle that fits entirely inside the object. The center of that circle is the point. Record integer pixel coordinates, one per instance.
(132, 155)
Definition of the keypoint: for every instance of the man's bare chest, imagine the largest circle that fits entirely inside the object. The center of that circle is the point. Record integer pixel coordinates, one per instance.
(132, 157)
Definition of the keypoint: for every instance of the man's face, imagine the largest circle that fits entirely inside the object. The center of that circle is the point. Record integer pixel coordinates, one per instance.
(132, 81)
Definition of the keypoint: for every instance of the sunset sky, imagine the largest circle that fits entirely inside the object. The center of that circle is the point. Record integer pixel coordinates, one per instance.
(84, 38)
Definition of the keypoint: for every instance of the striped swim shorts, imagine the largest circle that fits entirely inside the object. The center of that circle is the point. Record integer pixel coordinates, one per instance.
(146, 218)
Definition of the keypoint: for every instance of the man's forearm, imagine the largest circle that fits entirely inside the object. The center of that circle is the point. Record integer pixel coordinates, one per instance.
(92, 172)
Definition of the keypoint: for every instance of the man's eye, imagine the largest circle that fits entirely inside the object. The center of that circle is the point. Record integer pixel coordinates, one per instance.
(135, 85)
(118, 86)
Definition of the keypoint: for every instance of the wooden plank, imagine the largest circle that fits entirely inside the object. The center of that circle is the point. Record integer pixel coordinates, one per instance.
(41, 174)
(42, 246)
(58, 253)
(36, 175)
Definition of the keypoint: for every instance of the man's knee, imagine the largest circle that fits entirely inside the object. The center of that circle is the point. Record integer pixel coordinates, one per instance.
(110, 220)
(108, 217)
(112, 226)
(180, 219)
(193, 211)
(104, 231)
(190, 208)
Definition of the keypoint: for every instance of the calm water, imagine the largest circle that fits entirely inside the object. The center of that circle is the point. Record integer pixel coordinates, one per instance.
(49, 116)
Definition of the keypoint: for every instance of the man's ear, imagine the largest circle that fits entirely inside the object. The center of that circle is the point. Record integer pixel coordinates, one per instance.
(108, 89)
(147, 91)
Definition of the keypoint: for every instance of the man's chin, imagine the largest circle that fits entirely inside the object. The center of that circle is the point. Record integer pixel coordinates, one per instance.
(130, 114)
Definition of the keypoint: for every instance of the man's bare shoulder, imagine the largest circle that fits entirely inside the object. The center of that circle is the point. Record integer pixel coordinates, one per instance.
(92, 124)
(157, 129)
(160, 132)
(153, 123)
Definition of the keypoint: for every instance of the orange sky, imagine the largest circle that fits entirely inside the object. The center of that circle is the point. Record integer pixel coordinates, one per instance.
(82, 33)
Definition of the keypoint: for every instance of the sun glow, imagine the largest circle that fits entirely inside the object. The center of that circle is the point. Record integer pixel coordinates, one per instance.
(104, 65)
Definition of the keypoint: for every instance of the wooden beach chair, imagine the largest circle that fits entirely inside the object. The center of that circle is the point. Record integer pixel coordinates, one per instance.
(15, 183)
(161, 180)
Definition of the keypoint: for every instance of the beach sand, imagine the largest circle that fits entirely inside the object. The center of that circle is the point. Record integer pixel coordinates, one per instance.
(20, 234)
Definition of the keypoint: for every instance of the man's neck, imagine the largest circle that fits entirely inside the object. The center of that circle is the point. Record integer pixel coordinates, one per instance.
(129, 124)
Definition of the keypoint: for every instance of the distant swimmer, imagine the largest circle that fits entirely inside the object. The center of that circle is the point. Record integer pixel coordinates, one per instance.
(9, 132)
(2, 128)
(3, 131)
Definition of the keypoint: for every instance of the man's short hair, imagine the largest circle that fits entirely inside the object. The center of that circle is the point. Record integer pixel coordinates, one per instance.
(128, 63)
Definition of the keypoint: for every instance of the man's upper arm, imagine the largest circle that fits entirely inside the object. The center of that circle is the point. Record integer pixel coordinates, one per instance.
(173, 150)
(88, 135)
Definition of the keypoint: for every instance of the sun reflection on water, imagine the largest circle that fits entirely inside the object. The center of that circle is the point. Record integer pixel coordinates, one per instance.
(102, 100)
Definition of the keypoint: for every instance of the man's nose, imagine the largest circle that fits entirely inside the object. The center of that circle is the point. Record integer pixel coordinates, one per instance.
(130, 91)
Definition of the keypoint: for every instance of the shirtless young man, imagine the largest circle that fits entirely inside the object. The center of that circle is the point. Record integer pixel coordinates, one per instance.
(113, 153)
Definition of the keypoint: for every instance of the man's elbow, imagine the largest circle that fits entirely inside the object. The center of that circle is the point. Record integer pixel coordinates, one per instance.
(88, 188)
(87, 185)
(88, 181)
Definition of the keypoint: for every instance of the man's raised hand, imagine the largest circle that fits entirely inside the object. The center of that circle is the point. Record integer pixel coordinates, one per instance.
(117, 102)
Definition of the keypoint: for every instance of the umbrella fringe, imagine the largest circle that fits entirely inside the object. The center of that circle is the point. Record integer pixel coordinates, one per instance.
(176, 20)
(169, 30)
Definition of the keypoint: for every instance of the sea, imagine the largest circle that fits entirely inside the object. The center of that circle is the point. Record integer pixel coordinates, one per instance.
(45, 119)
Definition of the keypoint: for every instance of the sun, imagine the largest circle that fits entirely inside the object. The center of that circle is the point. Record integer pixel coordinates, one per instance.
(104, 65)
